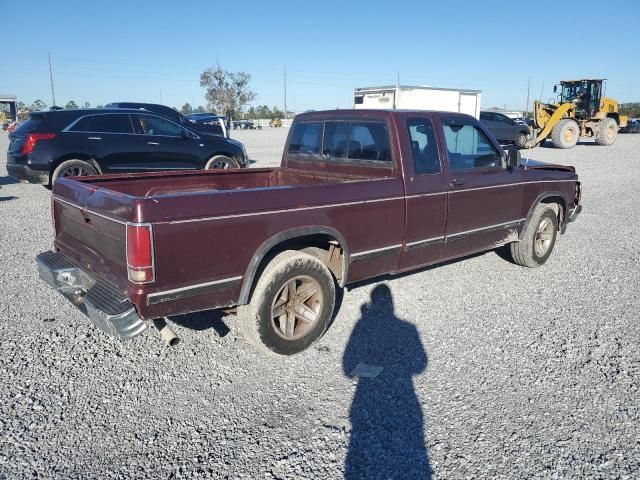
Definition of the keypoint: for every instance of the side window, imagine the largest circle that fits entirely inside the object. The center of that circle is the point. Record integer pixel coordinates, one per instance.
(486, 116)
(110, 123)
(81, 125)
(335, 141)
(305, 139)
(151, 125)
(369, 141)
(502, 118)
(468, 147)
(423, 146)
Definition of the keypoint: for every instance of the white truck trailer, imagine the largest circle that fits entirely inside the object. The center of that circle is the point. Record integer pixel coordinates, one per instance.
(418, 98)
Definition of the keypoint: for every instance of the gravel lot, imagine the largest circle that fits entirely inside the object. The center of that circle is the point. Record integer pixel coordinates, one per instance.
(490, 370)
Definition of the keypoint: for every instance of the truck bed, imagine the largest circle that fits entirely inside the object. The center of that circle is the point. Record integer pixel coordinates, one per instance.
(208, 224)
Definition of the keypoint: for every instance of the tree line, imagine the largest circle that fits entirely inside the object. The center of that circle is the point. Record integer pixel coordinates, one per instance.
(631, 109)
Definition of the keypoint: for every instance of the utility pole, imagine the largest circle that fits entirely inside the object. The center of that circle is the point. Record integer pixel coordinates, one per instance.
(53, 95)
(398, 84)
(526, 109)
(285, 91)
(541, 90)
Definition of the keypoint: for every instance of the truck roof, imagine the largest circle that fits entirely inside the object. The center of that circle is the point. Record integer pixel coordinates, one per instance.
(385, 113)
(413, 87)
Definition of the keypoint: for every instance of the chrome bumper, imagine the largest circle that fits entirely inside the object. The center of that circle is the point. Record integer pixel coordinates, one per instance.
(108, 309)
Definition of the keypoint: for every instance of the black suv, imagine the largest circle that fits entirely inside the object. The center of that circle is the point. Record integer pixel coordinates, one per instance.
(505, 130)
(208, 128)
(64, 143)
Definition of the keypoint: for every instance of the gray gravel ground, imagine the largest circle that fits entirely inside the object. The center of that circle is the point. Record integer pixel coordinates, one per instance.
(490, 370)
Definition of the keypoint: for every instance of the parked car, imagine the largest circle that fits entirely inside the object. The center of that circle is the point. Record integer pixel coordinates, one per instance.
(525, 121)
(62, 143)
(360, 193)
(209, 123)
(206, 128)
(633, 126)
(505, 129)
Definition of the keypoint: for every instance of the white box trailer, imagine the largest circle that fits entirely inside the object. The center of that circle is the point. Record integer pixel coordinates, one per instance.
(418, 98)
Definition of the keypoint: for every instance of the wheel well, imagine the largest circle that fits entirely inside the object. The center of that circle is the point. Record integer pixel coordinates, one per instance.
(615, 116)
(323, 246)
(559, 206)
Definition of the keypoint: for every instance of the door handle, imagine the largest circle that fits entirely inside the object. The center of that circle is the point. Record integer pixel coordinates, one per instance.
(455, 183)
(94, 138)
(153, 143)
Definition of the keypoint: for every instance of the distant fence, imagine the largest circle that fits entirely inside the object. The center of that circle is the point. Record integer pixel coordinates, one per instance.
(264, 122)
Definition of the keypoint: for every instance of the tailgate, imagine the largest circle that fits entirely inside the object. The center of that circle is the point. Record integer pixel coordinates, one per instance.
(90, 228)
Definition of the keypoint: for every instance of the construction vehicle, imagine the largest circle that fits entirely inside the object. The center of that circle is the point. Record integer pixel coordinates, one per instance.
(275, 122)
(581, 111)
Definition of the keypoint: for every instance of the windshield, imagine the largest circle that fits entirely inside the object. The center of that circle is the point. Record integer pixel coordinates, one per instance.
(571, 91)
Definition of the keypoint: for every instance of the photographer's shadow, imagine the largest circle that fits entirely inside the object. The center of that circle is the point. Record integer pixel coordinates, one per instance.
(387, 435)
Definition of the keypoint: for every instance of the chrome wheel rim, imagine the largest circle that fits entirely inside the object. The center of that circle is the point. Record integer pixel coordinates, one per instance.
(220, 164)
(544, 237)
(296, 307)
(75, 172)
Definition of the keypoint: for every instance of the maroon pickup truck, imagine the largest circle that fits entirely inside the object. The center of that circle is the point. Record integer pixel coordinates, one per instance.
(360, 193)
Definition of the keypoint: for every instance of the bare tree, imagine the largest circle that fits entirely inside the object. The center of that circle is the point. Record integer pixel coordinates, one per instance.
(227, 93)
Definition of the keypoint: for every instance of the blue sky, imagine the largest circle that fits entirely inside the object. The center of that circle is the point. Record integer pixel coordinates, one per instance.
(155, 51)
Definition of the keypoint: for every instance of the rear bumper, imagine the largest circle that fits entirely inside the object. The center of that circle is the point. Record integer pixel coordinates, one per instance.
(24, 172)
(108, 309)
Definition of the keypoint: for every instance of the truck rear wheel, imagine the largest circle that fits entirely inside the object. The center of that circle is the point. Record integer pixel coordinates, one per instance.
(607, 132)
(538, 239)
(291, 306)
(565, 133)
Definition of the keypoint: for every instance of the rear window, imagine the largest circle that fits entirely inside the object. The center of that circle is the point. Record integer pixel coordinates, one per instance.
(306, 139)
(29, 125)
(369, 141)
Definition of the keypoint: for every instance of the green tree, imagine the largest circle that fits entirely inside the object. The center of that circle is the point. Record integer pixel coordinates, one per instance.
(630, 109)
(186, 109)
(226, 92)
(71, 105)
(200, 109)
(99, 106)
(86, 105)
(37, 106)
(277, 113)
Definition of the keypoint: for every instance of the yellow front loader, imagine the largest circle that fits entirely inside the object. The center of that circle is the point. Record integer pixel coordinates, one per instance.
(581, 112)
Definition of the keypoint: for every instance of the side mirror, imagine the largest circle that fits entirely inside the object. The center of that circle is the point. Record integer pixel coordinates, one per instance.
(514, 159)
(555, 89)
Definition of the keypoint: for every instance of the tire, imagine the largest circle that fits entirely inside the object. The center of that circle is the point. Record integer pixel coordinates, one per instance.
(565, 133)
(538, 239)
(73, 168)
(288, 334)
(221, 162)
(522, 141)
(607, 132)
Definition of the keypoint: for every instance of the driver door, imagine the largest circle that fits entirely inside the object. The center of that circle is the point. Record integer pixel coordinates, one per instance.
(484, 196)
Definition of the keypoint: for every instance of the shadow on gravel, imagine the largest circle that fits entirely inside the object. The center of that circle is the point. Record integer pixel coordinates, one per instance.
(203, 320)
(6, 199)
(7, 181)
(387, 435)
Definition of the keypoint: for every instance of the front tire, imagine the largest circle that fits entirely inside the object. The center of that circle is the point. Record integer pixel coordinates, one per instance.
(291, 306)
(565, 133)
(72, 168)
(522, 141)
(607, 132)
(221, 162)
(538, 239)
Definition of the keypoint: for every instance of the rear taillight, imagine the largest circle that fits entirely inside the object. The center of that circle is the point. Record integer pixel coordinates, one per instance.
(32, 138)
(140, 268)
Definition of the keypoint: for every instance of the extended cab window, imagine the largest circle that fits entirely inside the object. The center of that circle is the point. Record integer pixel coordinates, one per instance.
(423, 146)
(468, 147)
(109, 123)
(151, 125)
(306, 139)
(369, 141)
